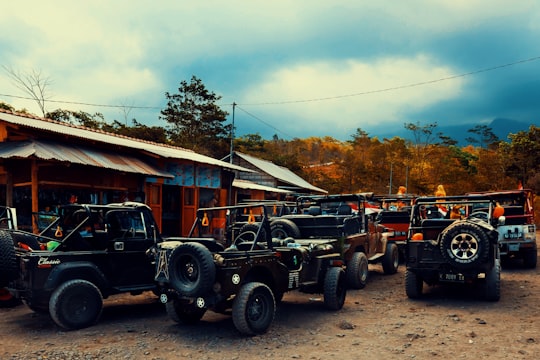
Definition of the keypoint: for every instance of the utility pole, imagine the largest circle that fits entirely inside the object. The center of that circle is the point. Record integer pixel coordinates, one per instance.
(390, 185)
(229, 200)
(232, 134)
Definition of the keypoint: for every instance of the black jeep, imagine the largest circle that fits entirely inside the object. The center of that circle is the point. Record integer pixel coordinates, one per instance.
(345, 217)
(452, 240)
(395, 215)
(247, 272)
(86, 254)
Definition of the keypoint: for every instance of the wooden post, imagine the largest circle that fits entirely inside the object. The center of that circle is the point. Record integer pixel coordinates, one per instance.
(35, 195)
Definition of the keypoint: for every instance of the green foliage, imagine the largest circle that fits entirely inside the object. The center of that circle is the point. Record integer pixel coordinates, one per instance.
(363, 163)
(81, 118)
(524, 150)
(485, 136)
(139, 131)
(195, 121)
(5, 106)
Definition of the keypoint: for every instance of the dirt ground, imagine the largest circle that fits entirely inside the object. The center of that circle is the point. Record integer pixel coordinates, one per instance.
(377, 322)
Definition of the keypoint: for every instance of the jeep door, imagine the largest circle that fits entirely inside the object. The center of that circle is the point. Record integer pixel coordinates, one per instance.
(129, 238)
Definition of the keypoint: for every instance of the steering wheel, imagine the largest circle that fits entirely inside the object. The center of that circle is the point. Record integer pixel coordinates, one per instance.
(244, 237)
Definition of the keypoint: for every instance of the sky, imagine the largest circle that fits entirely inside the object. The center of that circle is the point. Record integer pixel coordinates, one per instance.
(294, 69)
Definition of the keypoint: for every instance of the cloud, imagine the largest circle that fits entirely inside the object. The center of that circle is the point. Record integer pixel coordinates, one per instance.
(118, 52)
(345, 95)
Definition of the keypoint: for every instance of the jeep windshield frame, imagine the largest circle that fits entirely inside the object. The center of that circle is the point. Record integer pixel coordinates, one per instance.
(441, 208)
(223, 218)
(520, 198)
(329, 204)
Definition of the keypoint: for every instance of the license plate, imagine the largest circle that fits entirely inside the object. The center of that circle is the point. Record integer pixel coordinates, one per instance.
(513, 247)
(452, 277)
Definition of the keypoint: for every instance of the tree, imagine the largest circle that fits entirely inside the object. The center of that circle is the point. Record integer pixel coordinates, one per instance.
(421, 152)
(250, 144)
(155, 134)
(97, 122)
(5, 106)
(34, 84)
(81, 118)
(486, 136)
(523, 152)
(195, 121)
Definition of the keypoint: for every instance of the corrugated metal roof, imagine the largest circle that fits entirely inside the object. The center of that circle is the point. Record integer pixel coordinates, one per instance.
(101, 136)
(245, 184)
(279, 172)
(49, 150)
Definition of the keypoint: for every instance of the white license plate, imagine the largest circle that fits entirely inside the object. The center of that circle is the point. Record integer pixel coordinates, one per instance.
(513, 247)
(452, 277)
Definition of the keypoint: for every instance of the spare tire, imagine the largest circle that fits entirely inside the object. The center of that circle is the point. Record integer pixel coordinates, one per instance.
(464, 245)
(254, 228)
(192, 270)
(8, 261)
(284, 228)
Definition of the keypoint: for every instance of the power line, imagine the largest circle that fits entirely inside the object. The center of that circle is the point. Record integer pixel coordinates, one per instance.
(401, 86)
(381, 90)
(306, 100)
(83, 103)
(264, 122)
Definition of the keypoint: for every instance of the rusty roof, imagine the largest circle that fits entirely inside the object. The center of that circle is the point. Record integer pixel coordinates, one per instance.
(246, 184)
(162, 150)
(281, 173)
(52, 150)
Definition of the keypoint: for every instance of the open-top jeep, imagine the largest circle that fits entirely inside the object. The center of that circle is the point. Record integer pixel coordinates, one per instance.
(344, 217)
(517, 233)
(395, 215)
(248, 273)
(452, 240)
(86, 254)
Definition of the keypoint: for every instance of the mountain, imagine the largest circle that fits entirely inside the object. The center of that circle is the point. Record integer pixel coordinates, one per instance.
(500, 127)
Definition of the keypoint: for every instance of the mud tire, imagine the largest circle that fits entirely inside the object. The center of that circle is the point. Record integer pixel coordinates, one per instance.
(492, 284)
(284, 228)
(8, 262)
(76, 304)
(253, 309)
(464, 245)
(192, 271)
(187, 314)
(390, 261)
(413, 285)
(335, 288)
(357, 272)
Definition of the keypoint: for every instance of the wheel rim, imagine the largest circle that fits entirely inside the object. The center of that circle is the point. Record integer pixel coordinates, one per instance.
(79, 309)
(279, 234)
(188, 270)
(364, 272)
(464, 246)
(395, 258)
(256, 308)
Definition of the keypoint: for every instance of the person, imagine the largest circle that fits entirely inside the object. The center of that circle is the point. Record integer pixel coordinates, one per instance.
(402, 190)
(440, 192)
